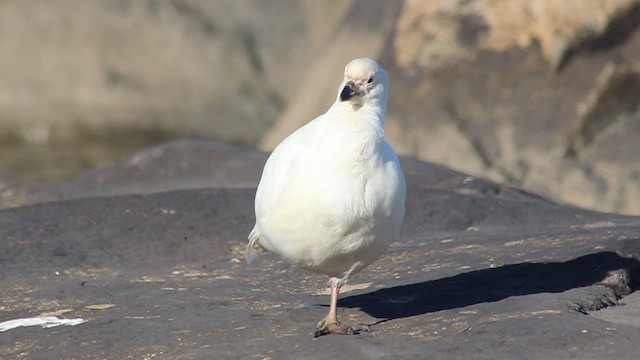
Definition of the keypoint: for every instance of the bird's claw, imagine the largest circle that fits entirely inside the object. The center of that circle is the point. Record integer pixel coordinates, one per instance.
(325, 328)
(355, 330)
(318, 333)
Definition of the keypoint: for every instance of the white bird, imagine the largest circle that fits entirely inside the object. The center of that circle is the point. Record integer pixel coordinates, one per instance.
(331, 197)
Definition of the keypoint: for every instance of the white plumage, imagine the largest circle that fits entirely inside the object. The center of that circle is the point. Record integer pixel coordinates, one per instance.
(331, 197)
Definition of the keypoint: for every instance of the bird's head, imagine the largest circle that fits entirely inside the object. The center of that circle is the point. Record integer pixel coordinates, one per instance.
(364, 80)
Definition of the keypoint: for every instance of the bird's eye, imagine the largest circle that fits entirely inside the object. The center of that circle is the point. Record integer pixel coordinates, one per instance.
(370, 80)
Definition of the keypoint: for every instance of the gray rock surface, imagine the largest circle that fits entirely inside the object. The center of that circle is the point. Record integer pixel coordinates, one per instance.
(480, 270)
(182, 164)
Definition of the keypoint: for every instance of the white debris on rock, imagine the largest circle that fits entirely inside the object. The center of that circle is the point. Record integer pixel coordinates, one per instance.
(44, 321)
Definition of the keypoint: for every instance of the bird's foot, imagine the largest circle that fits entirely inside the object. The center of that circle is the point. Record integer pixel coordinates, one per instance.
(326, 327)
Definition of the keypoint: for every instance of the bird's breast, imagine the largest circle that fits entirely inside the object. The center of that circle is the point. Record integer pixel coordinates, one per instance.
(340, 201)
(337, 212)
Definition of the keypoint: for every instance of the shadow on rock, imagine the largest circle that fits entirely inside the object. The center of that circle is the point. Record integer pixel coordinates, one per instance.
(490, 285)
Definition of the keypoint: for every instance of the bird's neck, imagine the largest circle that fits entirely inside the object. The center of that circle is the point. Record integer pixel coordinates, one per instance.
(370, 113)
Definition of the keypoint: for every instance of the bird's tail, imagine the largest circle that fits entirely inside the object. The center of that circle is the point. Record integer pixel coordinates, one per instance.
(254, 248)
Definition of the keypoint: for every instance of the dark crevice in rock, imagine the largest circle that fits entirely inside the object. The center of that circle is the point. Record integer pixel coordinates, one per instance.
(190, 11)
(471, 28)
(463, 126)
(615, 97)
(253, 55)
(475, 141)
(594, 299)
(617, 31)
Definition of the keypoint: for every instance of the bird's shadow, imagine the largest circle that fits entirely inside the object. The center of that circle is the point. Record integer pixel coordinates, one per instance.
(490, 285)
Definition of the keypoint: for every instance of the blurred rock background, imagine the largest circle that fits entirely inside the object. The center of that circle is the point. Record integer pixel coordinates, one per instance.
(543, 94)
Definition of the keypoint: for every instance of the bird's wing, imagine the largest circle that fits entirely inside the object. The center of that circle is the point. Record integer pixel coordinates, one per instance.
(273, 181)
(277, 170)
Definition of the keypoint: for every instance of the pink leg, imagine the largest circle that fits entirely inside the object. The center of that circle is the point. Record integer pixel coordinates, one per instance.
(330, 324)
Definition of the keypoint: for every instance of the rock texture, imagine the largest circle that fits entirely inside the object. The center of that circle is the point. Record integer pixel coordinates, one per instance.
(542, 93)
(185, 67)
(182, 164)
(432, 35)
(480, 270)
(538, 93)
